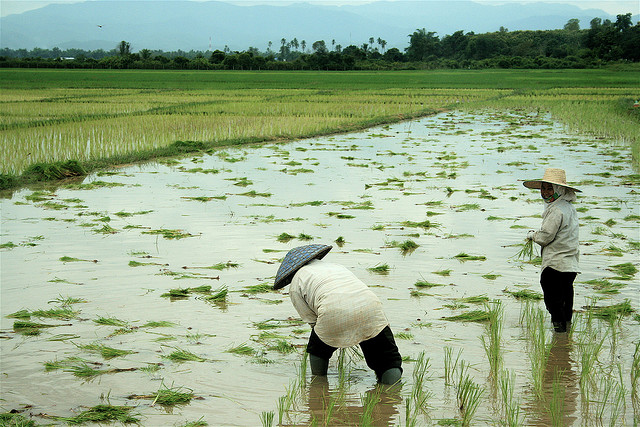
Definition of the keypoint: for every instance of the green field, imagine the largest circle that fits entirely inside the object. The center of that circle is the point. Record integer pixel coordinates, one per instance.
(105, 117)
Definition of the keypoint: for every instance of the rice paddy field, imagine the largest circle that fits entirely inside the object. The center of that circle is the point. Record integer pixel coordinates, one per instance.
(141, 293)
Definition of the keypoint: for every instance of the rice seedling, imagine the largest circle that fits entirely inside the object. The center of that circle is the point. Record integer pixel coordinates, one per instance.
(556, 403)
(167, 396)
(182, 355)
(527, 252)
(242, 349)
(24, 327)
(282, 346)
(197, 423)
(468, 395)
(443, 273)
(102, 414)
(419, 393)
(539, 348)
(462, 257)
(72, 259)
(109, 321)
(67, 301)
(603, 286)
(612, 312)
(426, 284)
(169, 234)
(479, 316)
(20, 314)
(493, 342)
(511, 406)
(369, 401)
(404, 336)
(524, 294)
(266, 418)
(423, 224)
(104, 351)
(159, 324)
(379, 269)
(219, 295)
(14, 419)
(624, 271)
(450, 365)
(285, 237)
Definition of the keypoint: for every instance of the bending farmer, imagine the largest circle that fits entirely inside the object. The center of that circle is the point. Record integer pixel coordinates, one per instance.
(558, 237)
(341, 310)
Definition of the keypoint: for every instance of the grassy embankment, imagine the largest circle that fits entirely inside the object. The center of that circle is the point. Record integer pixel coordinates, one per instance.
(58, 123)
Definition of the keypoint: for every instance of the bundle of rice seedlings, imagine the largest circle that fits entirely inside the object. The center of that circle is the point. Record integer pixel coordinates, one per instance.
(527, 252)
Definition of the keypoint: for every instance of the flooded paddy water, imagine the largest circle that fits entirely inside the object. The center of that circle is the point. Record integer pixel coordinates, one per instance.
(126, 258)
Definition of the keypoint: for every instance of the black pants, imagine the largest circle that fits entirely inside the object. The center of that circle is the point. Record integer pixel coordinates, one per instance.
(557, 287)
(380, 352)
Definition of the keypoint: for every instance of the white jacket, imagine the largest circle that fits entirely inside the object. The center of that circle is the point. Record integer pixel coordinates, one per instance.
(558, 237)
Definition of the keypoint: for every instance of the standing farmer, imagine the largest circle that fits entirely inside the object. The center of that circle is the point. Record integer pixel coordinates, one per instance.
(558, 238)
(341, 310)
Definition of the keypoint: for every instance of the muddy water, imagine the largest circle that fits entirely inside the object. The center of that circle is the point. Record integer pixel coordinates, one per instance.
(460, 171)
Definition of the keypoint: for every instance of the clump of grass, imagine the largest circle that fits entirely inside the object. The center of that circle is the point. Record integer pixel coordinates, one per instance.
(219, 295)
(282, 346)
(470, 316)
(612, 312)
(426, 284)
(524, 294)
(468, 394)
(258, 289)
(169, 234)
(106, 352)
(340, 241)
(527, 252)
(11, 419)
(167, 396)
(242, 349)
(406, 247)
(285, 237)
(182, 355)
(110, 321)
(423, 224)
(158, 324)
(465, 257)
(624, 271)
(101, 414)
(379, 269)
(490, 276)
(444, 273)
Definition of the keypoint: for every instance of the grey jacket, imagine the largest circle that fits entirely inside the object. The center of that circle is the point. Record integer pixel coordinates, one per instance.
(558, 237)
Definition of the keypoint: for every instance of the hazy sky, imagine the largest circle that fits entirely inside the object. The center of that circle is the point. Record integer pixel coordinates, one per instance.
(8, 7)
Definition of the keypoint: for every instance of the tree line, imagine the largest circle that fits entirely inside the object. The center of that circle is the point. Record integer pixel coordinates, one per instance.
(571, 47)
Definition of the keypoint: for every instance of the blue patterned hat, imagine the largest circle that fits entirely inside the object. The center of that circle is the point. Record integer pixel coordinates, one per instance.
(296, 258)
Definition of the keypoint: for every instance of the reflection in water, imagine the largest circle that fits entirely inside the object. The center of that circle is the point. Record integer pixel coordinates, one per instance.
(560, 386)
(334, 407)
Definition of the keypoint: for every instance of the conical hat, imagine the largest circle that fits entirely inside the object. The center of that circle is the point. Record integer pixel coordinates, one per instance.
(551, 176)
(296, 258)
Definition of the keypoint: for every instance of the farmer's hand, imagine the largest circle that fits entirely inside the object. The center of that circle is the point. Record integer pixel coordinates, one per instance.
(530, 234)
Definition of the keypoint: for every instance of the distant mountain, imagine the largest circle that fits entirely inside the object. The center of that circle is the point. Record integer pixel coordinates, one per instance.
(187, 25)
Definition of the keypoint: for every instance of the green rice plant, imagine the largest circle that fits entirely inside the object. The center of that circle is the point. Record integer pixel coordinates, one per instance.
(167, 396)
(493, 342)
(169, 234)
(470, 316)
(158, 324)
(20, 314)
(67, 301)
(524, 294)
(369, 401)
(197, 423)
(223, 265)
(423, 224)
(102, 414)
(258, 289)
(62, 313)
(604, 286)
(527, 252)
(611, 396)
(285, 237)
(557, 404)
(182, 355)
(478, 299)
(419, 393)
(340, 241)
(30, 328)
(282, 346)
(465, 257)
(624, 271)
(469, 395)
(109, 321)
(511, 406)
(266, 418)
(490, 276)
(404, 336)
(444, 273)
(14, 419)
(242, 349)
(379, 269)
(539, 347)
(612, 312)
(405, 247)
(450, 365)
(426, 284)
(219, 295)
(105, 352)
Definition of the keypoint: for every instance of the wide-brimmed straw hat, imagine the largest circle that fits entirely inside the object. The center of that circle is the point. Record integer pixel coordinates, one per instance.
(551, 176)
(295, 259)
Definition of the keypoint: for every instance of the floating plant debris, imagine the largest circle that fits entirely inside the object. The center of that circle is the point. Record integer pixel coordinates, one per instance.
(424, 224)
(524, 294)
(101, 414)
(490, 276)
(167, 396)
(380, 269)
(470, 316)
(465, 257)
(110, 321)
(105, 351)
(242, 349)
(219, 295)
(425, 284)
(169, 234)
(182, 355)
